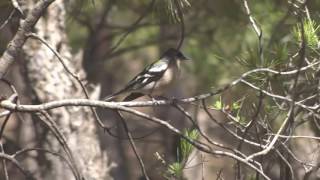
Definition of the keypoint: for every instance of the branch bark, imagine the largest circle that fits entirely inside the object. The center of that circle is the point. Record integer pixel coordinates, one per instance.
(14, 47)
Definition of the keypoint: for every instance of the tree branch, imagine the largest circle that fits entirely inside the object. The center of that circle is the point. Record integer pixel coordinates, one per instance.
(14, 47)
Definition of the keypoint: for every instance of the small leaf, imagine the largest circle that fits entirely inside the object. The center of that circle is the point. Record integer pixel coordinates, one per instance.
(241, 120)
(236, 105)
(218, 104)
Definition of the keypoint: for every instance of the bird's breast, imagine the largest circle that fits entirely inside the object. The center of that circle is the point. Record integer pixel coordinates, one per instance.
(167, 80)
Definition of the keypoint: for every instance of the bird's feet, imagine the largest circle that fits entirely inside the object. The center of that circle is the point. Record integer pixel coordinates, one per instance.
(173, 100)
(154, 100)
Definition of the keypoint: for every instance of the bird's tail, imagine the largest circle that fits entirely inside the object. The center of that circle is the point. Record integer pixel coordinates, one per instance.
(130, 97)
(133, 96)
(109, 98)
(112, 96)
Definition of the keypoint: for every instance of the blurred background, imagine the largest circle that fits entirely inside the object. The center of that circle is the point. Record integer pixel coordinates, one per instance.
(114, 40)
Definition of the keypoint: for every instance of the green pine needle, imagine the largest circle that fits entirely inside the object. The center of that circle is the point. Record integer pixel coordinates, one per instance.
(185, 147)
(175, 169)
(310, 30)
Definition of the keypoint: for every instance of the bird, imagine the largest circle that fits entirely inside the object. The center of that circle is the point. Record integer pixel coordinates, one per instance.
(155, 79)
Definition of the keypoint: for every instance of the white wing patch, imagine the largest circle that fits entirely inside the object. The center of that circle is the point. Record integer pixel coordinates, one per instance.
(159, 67)
(144, 81)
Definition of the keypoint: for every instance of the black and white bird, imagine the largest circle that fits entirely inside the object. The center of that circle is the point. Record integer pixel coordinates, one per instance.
(155, 79)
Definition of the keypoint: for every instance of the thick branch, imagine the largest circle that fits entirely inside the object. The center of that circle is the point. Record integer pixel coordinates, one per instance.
(20, 38)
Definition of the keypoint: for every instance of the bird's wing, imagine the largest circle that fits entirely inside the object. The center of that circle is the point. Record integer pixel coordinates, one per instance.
(151, 73)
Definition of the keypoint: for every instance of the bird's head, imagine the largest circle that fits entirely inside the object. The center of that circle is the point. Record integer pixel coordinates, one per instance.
(174, 54)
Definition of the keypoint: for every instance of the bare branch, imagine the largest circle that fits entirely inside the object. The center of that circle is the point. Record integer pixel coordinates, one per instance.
(4, 165)
(274, 140)
(290, 113)
(17, 6)
(133, 146)
(257, 30)
(132, 27)
(17, 164)
(53, 127)
(69, 71)
(7, 20)
(112, 105)
(181, 19)
(12, 51)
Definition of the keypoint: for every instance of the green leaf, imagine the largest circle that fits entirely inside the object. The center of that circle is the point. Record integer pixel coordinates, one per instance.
(242, 120)
(236, 105)
(218, 104)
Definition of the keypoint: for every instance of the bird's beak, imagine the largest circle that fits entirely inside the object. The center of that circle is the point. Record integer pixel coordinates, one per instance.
(184, 58)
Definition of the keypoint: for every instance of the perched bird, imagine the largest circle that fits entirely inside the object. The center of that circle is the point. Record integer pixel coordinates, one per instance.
(155, 79)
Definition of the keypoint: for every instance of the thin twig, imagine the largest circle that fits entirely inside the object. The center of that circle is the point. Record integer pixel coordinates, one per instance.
(14, 99)
(7, 20)
(290, 113)
(133, 146)
(4, 164)
(203, 134)
(199, 145)
(274, 140)
(17, 6)
(73, 75)
(53, 127)
(182, 26)
(4, 124)
(58, 154)
(4, 113)
(131, 28)
(287, 163)
(257, 30)
(17, 164)
(297, 137)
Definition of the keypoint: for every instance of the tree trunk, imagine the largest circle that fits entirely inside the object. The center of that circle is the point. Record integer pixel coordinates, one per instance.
(50, 81)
